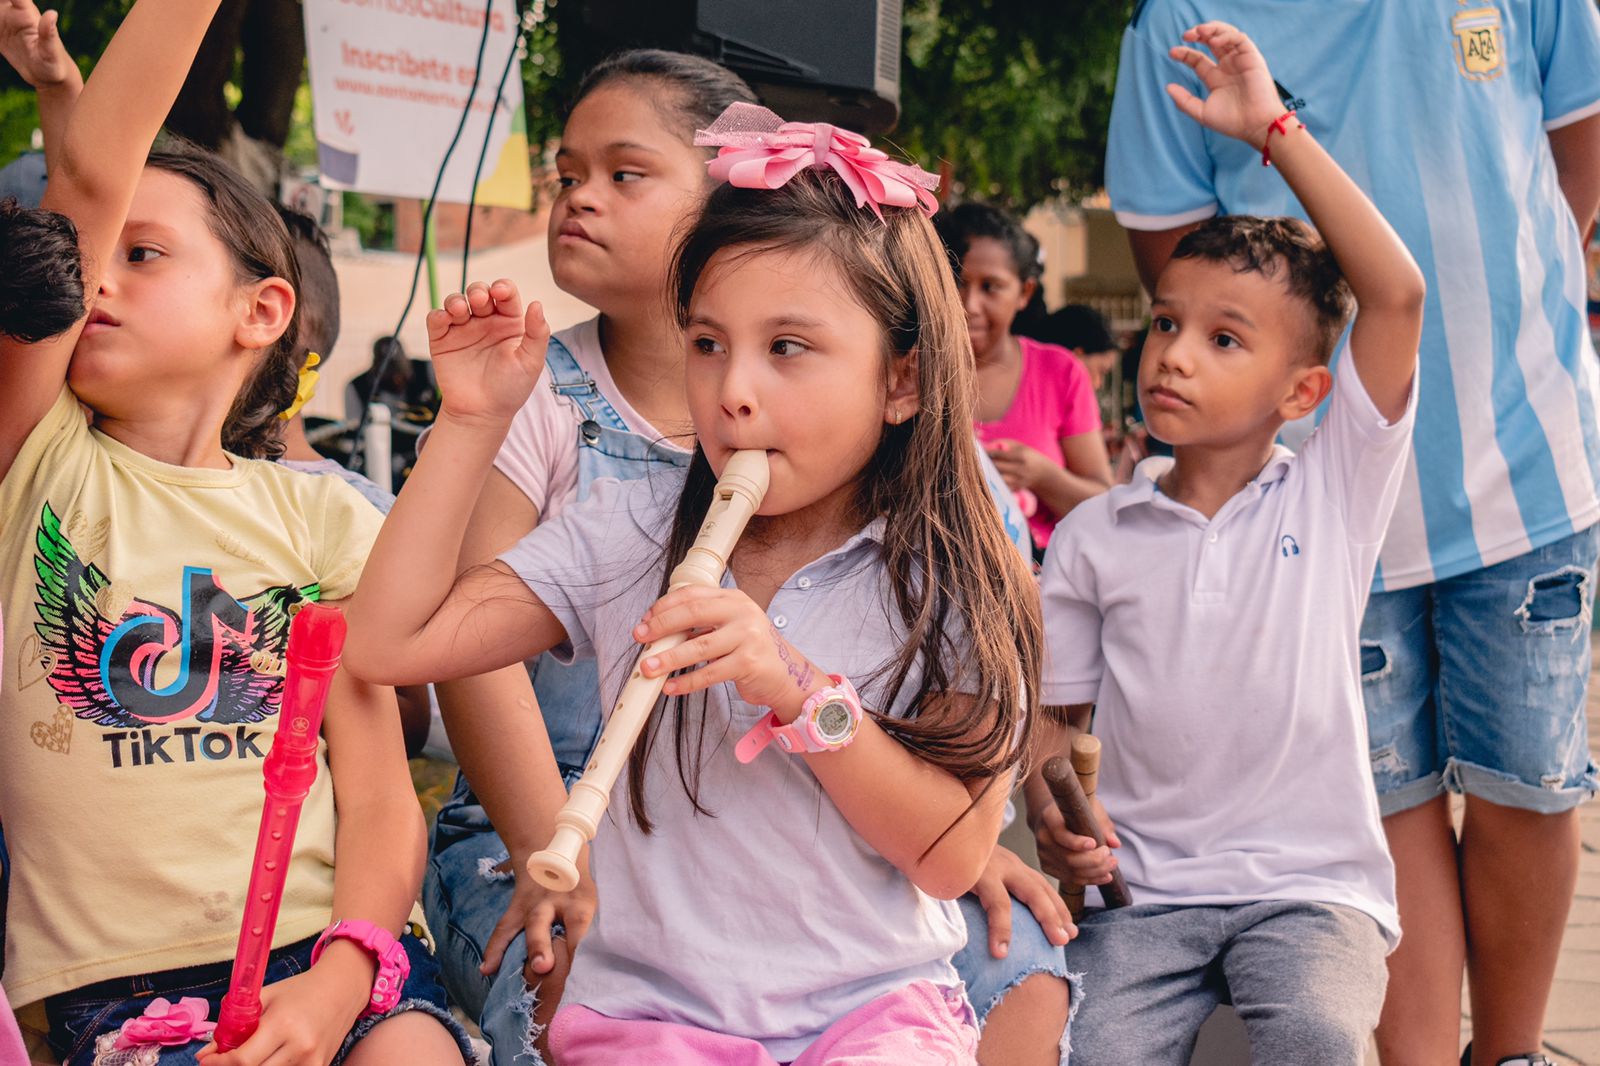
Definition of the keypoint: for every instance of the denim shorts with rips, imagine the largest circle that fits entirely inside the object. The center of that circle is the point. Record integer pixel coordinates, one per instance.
(81, 1018)
(1477, 684)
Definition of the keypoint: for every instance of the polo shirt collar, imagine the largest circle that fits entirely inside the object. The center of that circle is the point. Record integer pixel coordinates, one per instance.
(872, 531)
(870, 535)
(1142, 489)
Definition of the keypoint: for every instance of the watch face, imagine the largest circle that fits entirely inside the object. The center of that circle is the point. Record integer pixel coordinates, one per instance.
(833, 721)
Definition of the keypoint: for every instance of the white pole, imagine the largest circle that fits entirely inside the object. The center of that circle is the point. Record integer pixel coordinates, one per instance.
(380, 468)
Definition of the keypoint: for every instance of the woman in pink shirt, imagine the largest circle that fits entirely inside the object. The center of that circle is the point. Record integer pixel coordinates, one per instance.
(1037, 412)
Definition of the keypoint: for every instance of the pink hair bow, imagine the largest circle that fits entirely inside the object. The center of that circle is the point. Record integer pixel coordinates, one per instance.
(761, 151)
(166, 1023)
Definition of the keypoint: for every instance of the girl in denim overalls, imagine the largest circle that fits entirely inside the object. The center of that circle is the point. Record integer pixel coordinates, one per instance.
(610, 234)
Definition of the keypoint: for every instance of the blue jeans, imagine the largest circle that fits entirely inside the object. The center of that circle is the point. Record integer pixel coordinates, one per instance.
(79, 1017)
(1478, 683)
(1306, 978)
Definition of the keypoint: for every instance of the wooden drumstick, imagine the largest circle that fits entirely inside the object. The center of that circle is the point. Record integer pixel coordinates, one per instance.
(1073, 800)
(1086, 763)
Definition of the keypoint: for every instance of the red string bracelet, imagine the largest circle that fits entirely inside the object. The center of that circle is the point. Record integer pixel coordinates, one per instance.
(1279, 126)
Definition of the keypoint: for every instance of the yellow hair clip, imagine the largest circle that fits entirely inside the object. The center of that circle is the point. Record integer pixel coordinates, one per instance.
(305, 388)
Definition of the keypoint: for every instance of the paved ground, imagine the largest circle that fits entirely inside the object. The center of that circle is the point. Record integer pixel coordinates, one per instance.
(1572, 1023)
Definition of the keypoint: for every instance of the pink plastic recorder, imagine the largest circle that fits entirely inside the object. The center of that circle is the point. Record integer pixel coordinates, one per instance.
(316, 638)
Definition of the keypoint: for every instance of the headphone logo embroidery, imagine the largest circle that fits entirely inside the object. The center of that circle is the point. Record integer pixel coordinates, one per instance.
(1288, 546)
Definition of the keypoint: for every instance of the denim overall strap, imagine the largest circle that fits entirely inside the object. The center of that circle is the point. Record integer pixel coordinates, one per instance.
(570, 380)
(569, 695)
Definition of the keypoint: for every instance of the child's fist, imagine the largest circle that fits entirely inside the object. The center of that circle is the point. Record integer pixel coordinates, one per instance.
(31, 43)
(1074, 859)
(487, 352)
(731, 639)
(1241, 99)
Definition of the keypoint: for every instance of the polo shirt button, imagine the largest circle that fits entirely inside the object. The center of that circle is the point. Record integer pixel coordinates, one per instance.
(804, 582)
(780, 621)
(1212, 538)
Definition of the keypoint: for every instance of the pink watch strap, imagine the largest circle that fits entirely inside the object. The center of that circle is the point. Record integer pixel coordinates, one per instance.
(394, 965)
(795, 737)
(756, 740)
(771, 731)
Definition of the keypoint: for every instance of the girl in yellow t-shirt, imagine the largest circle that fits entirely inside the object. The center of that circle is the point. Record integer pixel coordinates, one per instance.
(153, 561)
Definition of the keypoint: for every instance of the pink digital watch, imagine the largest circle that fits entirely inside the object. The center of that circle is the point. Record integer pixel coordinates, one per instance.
(394, 966)
(827, 721)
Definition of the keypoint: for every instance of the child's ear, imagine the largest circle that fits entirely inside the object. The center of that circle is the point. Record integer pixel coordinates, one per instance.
(1029, 287)
(904, 396)
(1309, 387)
(269, 307)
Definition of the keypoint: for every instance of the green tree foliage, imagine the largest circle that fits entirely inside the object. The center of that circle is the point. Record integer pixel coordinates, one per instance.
(86, 29)
(1015, 96)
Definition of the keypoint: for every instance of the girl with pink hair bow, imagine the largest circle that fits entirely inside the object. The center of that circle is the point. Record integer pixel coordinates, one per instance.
(827, 772)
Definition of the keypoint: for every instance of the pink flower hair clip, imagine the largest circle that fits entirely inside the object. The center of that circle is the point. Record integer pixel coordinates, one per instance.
(761, 151)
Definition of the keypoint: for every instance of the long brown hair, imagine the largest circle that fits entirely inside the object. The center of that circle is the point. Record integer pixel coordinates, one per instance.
(966, 598)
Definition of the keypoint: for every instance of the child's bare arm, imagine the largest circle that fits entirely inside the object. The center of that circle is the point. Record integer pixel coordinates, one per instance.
(415, 618)
(92, 181)
(118, 116)
(913, 813)
(31, 43)
(1242, 102)
(500, 740)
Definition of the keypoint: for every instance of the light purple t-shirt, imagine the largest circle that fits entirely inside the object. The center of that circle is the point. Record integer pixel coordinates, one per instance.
(773, 919)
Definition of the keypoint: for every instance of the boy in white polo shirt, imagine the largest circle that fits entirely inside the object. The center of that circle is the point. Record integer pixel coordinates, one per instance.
(1209, 612)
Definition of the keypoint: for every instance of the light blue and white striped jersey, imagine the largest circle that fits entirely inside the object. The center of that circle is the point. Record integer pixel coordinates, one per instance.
(1439, 109)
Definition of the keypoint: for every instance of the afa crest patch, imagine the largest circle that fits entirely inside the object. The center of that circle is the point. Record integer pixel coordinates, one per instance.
(1479, 41)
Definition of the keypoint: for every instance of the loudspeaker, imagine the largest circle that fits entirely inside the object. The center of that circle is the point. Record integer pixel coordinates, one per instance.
(809, 60)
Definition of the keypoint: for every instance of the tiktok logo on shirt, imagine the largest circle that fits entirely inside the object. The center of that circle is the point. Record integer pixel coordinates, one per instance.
(218, 661)
(146, 747)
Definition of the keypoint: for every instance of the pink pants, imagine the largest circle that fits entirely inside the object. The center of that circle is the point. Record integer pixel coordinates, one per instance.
(918, 1025)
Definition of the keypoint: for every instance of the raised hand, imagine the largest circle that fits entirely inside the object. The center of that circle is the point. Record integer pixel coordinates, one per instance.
(31, 43)
(487, 352)
(1241, 99)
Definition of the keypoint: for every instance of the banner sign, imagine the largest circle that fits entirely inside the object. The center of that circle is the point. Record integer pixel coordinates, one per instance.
(389, 79)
